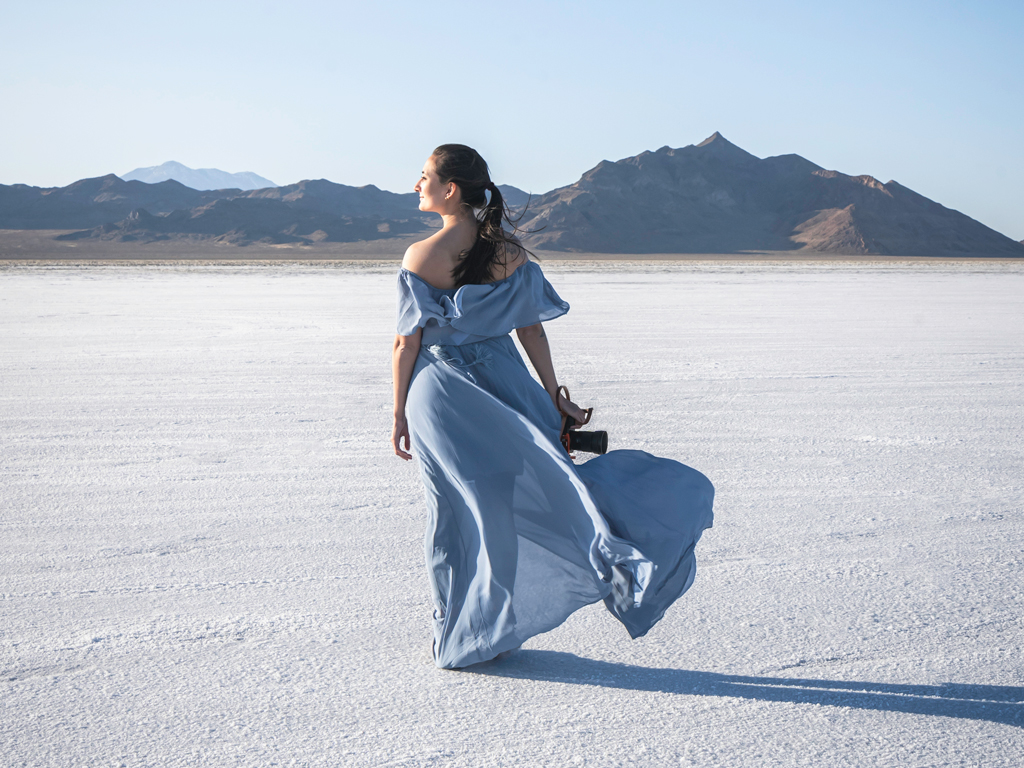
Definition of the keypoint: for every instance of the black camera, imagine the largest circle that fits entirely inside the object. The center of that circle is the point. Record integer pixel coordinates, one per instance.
(588, 442)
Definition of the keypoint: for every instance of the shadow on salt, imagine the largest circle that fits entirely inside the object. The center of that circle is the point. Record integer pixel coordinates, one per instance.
(999, 704)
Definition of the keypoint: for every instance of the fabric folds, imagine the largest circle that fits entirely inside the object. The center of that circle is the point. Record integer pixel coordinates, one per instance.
(518, 536)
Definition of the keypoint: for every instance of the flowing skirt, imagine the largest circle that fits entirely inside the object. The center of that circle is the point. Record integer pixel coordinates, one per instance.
(518, 536)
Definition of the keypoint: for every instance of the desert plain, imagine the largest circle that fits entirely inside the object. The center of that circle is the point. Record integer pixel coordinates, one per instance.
(211, 557)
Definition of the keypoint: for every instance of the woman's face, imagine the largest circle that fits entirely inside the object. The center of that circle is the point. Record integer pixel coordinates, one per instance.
(431, 191)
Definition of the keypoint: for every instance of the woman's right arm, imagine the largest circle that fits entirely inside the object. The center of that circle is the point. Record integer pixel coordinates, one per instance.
(403, 360)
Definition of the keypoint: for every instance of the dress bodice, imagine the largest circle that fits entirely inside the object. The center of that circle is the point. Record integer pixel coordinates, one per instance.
(472, 313)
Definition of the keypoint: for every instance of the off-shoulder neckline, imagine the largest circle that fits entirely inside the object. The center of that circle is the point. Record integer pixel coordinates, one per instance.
(515, 272)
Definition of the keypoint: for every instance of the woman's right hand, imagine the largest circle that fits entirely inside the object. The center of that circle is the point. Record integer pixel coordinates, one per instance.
(400, 433)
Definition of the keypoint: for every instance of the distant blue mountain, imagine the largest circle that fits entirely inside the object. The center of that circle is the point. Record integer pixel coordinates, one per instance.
(198, 178)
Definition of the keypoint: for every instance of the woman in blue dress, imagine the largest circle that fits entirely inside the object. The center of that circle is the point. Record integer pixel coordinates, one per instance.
(518, 536)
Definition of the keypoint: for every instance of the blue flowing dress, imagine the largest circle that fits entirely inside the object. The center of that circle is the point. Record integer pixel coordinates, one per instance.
(519, 536)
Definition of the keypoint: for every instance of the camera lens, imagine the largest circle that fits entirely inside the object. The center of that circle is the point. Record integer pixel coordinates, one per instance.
(588, 442)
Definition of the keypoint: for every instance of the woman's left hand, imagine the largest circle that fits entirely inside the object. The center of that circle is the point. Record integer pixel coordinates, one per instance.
(570, 408)
(400, 434)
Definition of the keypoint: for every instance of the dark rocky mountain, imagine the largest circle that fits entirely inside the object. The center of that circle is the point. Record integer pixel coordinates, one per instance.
(91, 202)
(340, 199)
(514, 197)
(107, 199)
(110, 208)
(717, 198)
(247, 220)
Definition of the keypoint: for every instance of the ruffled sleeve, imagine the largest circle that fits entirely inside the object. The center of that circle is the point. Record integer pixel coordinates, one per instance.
(416, 303)
(490, 309)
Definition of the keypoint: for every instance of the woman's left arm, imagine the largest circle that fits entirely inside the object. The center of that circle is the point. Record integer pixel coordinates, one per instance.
(535, 342)
(403, 361)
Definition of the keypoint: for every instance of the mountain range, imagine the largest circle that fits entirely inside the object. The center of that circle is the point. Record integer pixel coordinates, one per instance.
(311, 211)
(711, 197)
(110, 208)
(198, 178)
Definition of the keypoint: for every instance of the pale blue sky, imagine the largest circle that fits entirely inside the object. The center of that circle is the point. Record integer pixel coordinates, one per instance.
(928, 93)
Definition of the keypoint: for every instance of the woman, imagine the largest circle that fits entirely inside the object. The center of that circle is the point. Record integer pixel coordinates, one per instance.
(518, 536)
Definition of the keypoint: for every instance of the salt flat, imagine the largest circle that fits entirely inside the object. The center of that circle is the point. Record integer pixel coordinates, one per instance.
(209, 556)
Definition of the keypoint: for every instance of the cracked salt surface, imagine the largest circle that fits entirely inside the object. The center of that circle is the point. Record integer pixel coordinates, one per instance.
(208, 556)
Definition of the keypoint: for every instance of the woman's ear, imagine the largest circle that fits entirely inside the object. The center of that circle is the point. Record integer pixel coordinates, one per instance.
(450, 192)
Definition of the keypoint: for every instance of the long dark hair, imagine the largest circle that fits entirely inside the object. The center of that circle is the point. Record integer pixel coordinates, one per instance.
(463, 166)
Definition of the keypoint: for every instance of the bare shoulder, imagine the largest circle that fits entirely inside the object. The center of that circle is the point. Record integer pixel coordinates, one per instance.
(415, 254)
(430, 259)
(511, 258)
